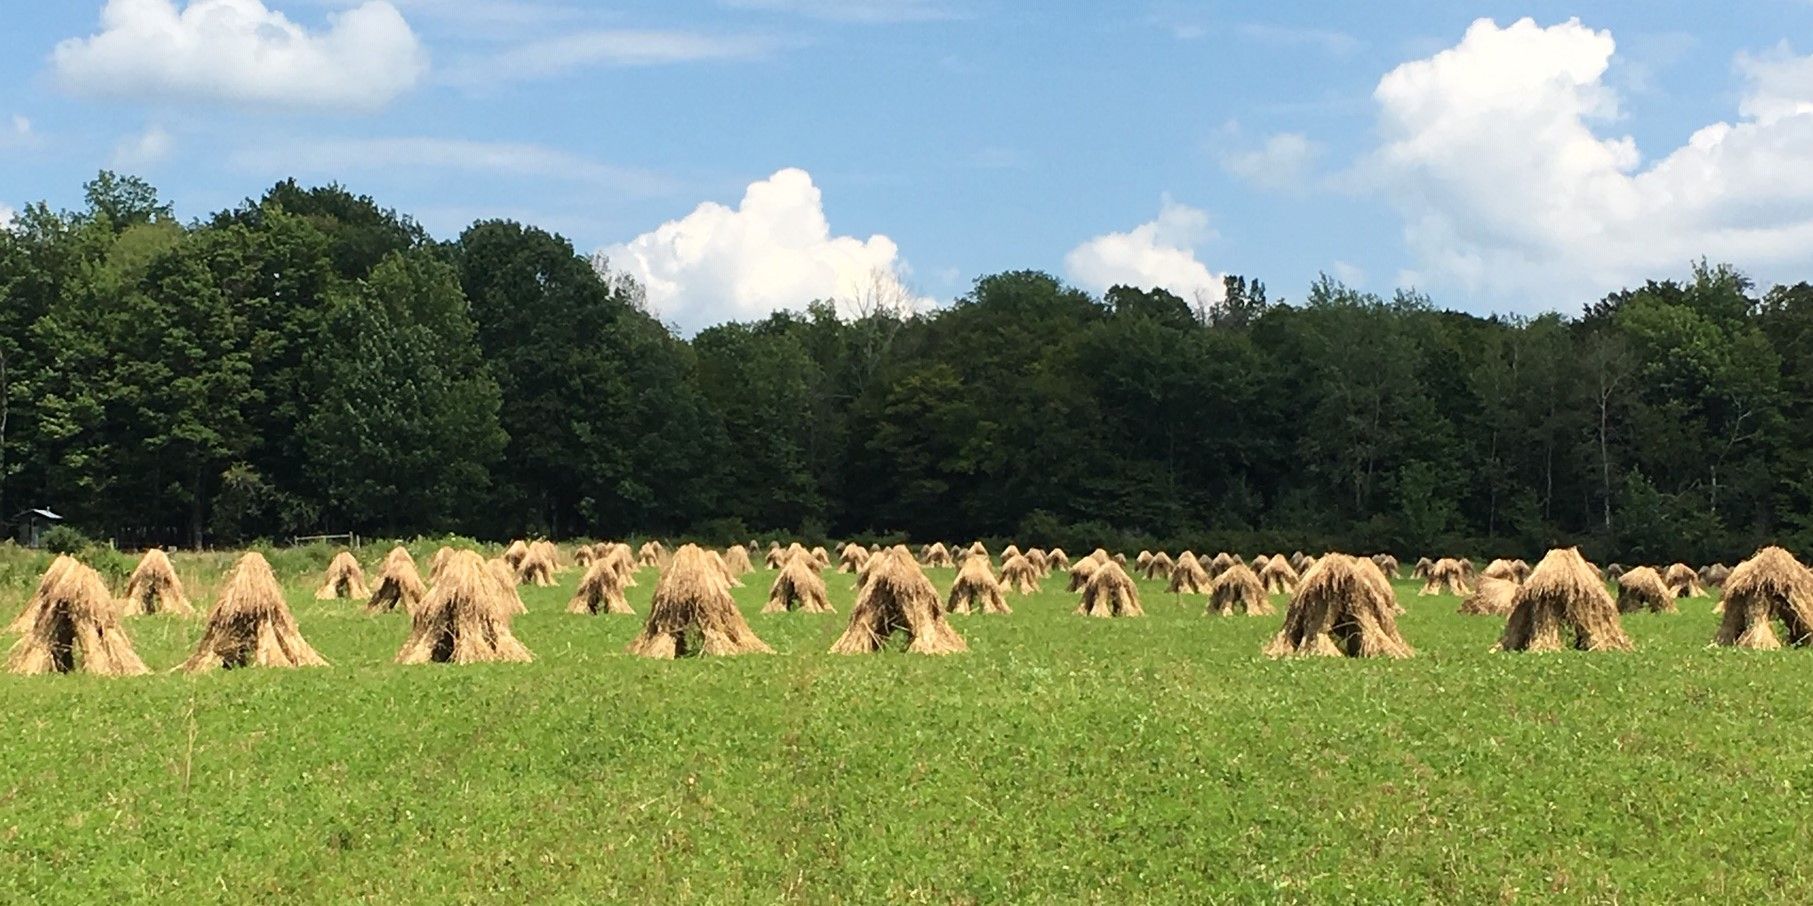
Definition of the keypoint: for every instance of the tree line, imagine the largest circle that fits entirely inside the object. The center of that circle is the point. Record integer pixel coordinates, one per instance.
(311, 361)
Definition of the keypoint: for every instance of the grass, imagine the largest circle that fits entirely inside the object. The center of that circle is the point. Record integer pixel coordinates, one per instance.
(1062, 759)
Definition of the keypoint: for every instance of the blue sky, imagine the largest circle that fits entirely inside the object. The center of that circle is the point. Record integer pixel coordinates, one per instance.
(1165, 142)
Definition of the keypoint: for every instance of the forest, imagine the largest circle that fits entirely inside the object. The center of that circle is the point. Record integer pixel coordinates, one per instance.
(310, 361)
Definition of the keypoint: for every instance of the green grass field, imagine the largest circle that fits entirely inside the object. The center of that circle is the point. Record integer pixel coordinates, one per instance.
(1062, 759)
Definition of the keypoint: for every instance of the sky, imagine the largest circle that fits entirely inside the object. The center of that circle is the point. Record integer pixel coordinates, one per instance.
(743, 156)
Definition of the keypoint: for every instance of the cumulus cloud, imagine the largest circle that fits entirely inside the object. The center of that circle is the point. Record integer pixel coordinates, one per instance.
(1156, 255)
(7, 216)
(240, 51)
(1283, 162)
(1492, 151)
(773, 251)
(1781, 84)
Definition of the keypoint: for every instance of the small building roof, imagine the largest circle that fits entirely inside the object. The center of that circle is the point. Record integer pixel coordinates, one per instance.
(45, 513)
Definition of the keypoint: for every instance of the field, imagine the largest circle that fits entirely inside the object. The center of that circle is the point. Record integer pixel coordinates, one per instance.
(1062, 759)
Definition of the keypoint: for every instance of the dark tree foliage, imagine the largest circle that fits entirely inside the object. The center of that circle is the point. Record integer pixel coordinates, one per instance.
(608, 430)
(311, 361)
(358, 233)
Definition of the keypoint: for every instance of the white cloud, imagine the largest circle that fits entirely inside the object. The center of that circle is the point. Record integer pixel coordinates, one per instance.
(473, 15)
(143, 150)
(1643, 58)
(1156, 255)
(241, 52)
(17, 133)
(773, 251)
(1333, 43)
(1351, 274)
(336, 157)
(1185, 25)
(618, 48)
(868, 11)
(1284, 162)
(7, 216)
(1491, 153)
(1781, 84)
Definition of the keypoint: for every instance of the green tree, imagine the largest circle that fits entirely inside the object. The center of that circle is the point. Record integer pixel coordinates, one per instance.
(124, 201)
(144, 399)
(406, 430)
(607, 430)
(925, 428)
(357, 232)
(760, 382)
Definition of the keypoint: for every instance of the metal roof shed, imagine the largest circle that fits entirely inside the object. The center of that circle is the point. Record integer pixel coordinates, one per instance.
(34, 523)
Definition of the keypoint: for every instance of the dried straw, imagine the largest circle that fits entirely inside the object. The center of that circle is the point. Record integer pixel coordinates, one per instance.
(75, 626)
(1564, 594)
(1343, 607)
(1769, 586)
(345, 579)
(1110, 592)
(690, 599)
(896, 597)
(1237, 590)
(399, 585)
(155, 588)
(600, 591)
(466, 617)
(799, 586)
(976, 588)
(1020, 575)
(251, 626)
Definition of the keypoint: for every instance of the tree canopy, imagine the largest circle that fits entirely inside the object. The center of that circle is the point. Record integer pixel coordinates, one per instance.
(311, 360)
